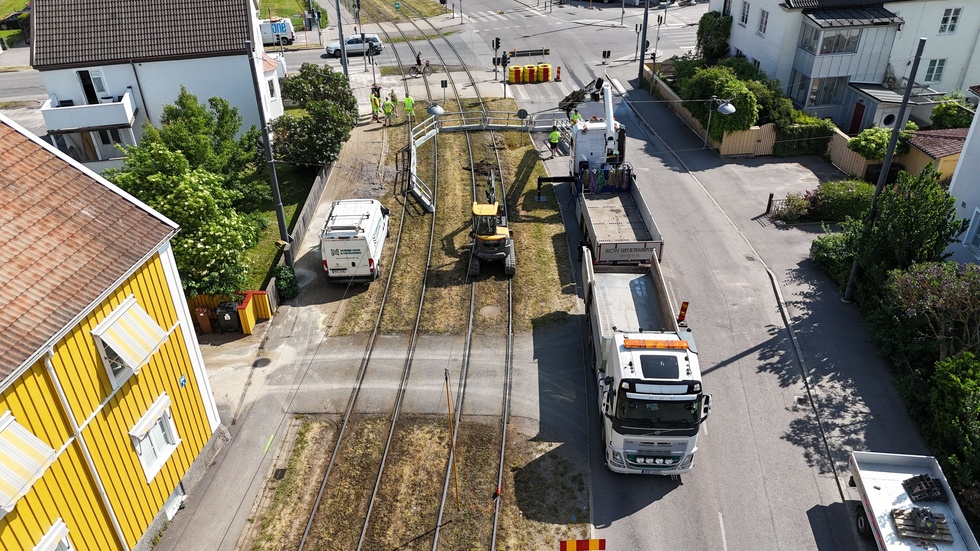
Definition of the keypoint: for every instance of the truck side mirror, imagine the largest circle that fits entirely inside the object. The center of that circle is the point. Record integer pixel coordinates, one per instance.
(705, 406)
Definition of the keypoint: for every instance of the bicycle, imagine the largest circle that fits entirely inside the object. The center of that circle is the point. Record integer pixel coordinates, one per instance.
(415, 71)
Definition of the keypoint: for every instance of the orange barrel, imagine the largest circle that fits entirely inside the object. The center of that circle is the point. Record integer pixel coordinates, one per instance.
(544, 72)
(514, 74)
(530, 73)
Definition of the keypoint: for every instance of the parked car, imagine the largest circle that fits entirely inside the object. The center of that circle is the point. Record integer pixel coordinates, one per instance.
(10, 21)
(355, 46)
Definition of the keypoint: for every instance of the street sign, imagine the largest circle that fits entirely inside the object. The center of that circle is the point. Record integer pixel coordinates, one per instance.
(522, 114)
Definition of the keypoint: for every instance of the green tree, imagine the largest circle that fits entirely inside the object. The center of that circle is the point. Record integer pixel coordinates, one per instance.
(712, 38)
(916, 221)
(951, 114)
(213, 236)
(316, 136)
(720, 82)
(872, 143)
(206, 135)
(955, 401)
(945, 297)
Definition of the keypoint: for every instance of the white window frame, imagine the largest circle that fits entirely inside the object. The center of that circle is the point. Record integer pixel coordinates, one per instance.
(156, 429)
(763, 22)
(56, 539)
(951, 18)
(726, 8)
(137, 344)
(32, 455)
(744, 17)
(935, 69)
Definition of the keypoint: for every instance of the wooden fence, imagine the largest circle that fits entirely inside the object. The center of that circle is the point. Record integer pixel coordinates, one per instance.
(845, 159)
(758, 140)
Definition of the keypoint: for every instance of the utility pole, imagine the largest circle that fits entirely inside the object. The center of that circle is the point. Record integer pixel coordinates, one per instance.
(643, 39)
(267, 140)
(343, 44)
(886, 165)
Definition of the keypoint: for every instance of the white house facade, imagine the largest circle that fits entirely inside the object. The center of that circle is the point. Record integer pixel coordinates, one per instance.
(104, 84)
(849, 59)
(967, 193)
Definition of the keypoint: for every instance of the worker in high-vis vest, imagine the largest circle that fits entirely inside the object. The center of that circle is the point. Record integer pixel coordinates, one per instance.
(389, 111)
(375, 108)
(553, 139)
(409, 106)
(576, 117)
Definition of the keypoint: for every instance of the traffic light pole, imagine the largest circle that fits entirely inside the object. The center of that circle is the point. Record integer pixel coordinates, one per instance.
(643, 39)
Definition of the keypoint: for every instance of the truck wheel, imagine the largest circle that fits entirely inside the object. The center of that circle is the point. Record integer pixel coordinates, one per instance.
(283, 41)
(862, 523)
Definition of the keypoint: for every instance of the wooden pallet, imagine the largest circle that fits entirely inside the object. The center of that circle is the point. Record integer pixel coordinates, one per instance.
(905, 525)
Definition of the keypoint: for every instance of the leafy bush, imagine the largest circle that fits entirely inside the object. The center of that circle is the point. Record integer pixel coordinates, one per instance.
(951, 114)
(802, 135)
(794, 208)
(720, 82)
(686, 65)
(773, 105)
(955, 400)
(872, 143)
(841, 199)
(831, 252)
(286, 284)
(744, 69)
(713, 32)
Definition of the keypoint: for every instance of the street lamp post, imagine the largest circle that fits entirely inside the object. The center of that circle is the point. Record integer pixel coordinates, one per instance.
(725, 107)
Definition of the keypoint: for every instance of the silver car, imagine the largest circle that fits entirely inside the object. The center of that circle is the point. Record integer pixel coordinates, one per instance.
(356, 45)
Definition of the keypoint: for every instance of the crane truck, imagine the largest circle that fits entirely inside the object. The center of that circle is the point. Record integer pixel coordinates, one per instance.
(645, 360)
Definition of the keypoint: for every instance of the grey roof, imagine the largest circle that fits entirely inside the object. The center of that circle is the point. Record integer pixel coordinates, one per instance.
(882, 94)
(80, 33)
(853, 17)
(827, 4)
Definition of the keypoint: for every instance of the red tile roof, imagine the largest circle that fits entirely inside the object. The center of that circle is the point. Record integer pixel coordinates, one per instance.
(83, 33)
(940, 143)
(66, 238)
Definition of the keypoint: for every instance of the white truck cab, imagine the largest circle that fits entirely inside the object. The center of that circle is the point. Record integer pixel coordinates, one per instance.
(352, 239)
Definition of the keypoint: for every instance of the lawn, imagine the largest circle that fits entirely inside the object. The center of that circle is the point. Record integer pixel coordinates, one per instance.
(292, 9)
(7, 6)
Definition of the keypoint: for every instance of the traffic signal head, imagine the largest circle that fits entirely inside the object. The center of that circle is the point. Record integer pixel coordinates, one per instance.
(496, 43)
(504, 59)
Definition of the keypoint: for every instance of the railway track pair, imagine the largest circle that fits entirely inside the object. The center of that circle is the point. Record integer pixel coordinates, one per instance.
(385, 444)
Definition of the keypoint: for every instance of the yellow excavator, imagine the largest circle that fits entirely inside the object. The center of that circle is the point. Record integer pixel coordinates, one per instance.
(492, 240)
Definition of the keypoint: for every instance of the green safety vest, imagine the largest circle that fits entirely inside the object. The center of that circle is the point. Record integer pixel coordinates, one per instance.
(375, 102)
(409, 103)
(554, 136)
(576, 117)
(388, 107)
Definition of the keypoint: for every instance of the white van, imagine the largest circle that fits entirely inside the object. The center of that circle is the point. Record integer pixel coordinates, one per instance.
(352, 239)
(277, 31)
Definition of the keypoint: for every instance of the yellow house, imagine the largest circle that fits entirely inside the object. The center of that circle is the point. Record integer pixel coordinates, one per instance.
(104, 399)
(940, 147)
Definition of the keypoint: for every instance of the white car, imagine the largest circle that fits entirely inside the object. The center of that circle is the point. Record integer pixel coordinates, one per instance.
(371, 43)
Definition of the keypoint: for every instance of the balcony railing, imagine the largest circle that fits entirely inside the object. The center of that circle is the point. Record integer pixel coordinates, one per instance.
(115, 112)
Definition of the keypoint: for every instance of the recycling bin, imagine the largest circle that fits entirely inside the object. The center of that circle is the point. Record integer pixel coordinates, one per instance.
(203, 320)
(228, 316)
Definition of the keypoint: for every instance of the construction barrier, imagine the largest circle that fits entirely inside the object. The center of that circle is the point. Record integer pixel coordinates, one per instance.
(558, 74)
(530, 73)
(514, 74)
(544, 72)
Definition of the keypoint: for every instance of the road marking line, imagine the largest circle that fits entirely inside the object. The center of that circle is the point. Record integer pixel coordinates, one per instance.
(724, 541)
(269, 443)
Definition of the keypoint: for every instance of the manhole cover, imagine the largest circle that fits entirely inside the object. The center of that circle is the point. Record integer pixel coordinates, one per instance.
(490, 311)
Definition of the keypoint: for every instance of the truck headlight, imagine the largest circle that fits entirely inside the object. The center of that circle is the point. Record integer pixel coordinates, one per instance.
(688, 460)
(617, 459)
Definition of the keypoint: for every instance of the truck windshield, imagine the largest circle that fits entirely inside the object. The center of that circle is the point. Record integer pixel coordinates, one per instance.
(654, 413)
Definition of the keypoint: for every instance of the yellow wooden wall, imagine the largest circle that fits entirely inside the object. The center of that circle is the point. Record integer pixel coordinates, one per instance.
(67, 489)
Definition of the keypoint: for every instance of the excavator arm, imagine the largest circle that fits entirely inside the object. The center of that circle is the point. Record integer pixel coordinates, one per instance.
(592, 90)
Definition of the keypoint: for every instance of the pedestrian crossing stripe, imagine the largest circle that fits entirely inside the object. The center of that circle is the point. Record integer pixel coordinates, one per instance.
(582, 545)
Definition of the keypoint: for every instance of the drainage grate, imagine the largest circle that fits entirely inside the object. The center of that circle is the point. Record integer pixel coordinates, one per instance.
(279, 474)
